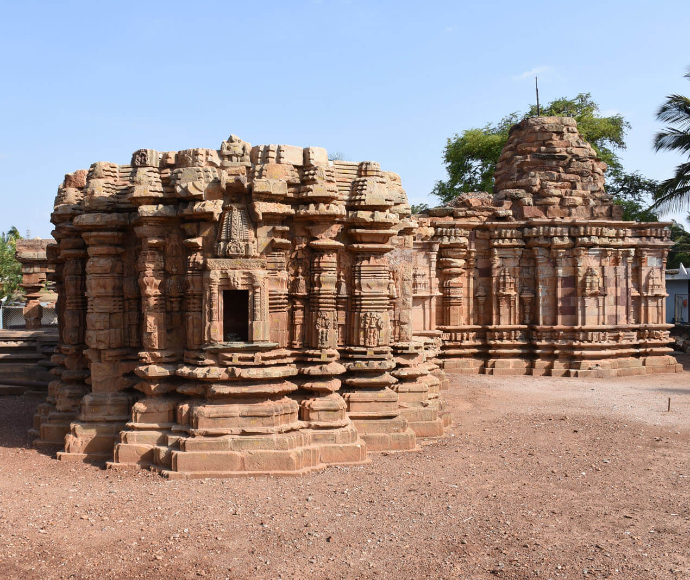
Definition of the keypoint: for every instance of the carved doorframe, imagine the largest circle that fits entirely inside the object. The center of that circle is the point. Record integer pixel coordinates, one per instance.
(236, 274)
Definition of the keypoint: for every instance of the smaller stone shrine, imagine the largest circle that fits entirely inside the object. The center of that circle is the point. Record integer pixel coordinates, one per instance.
(543, 277)
(37, 269)
(237, 311)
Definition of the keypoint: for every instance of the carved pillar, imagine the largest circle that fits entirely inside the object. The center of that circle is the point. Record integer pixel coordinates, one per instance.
(453, 270)
(433, 283)
(580, 268)
(559, 256)
(372, 404)
(641, 264)
(65, 393)
(322, 297)
(161, 266)
(104, 411)
(212, 282)
(629, 257)
(495, 286)
(343, 308)
(541, 260)
(194, 289)
(606, 254)
(299, 297)
(471, 263)
(278, 303)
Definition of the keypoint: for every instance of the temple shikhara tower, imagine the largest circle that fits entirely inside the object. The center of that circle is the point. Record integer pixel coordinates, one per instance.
(262, 309)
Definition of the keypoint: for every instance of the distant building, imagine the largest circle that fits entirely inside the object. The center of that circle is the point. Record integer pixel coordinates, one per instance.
(678, 288)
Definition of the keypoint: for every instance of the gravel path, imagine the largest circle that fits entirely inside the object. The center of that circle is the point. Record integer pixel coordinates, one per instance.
(538, 478)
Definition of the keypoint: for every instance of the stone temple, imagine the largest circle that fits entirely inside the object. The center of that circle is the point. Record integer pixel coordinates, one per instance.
(255, 310)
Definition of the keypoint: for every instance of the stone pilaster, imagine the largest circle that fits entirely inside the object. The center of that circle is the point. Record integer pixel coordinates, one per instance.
(322, 408)
(66, 391)
(35, 269)
(372, 404)
(105, 410)
(70, 369)
(161, 268)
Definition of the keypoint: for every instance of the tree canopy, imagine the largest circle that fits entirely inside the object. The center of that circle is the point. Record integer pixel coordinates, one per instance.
(674, 193)
(471, 157)
(10, 268)
(680, 251)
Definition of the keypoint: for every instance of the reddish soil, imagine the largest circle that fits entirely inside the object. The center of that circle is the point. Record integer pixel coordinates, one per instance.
(538, 478)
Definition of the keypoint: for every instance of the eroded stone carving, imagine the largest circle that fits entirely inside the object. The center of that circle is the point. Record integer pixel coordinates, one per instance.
(551, 231)
(209, 297)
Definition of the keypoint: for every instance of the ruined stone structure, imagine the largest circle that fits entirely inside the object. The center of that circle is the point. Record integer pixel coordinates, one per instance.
(261, 309)
(36, 270)
(242, 310)
(543, 277)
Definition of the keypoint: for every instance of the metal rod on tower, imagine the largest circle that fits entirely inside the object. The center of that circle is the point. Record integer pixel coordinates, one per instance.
(536, 86)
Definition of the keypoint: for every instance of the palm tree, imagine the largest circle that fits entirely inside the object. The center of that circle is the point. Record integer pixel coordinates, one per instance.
(12, 234)
(674, 193)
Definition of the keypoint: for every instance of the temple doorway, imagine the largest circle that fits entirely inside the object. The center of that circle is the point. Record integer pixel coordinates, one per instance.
(235, 315)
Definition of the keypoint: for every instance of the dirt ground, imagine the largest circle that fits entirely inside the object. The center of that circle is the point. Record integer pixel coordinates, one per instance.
(538, 478)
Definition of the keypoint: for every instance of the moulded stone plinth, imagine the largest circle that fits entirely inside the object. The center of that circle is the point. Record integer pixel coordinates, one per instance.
(507, 367)
(97, 428)
(242, 421)
(231, 456)
(92, 440)
(373, 406)
(417, 390)
(59, 410)
(386, 434)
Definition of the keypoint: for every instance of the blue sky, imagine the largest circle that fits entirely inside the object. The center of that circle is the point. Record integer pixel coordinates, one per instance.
(379, 80)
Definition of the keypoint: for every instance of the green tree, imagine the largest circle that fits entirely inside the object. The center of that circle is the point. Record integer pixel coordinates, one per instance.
(634, 192)
(679, 253)
(674, 193)
(471, 157)
(10, 268)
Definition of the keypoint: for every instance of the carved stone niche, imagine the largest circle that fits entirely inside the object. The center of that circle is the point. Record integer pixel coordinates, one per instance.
(237, 301)
(236, 236)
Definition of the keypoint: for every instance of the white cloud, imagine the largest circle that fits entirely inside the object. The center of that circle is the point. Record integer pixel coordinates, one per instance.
(532, 73)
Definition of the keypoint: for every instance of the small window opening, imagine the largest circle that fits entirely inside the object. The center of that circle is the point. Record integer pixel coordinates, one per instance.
(236, 315)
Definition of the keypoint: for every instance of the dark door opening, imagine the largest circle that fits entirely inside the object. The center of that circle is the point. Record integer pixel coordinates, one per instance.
(236, 315)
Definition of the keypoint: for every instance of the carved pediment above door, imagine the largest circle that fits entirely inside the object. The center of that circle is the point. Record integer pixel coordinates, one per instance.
(236, 236)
